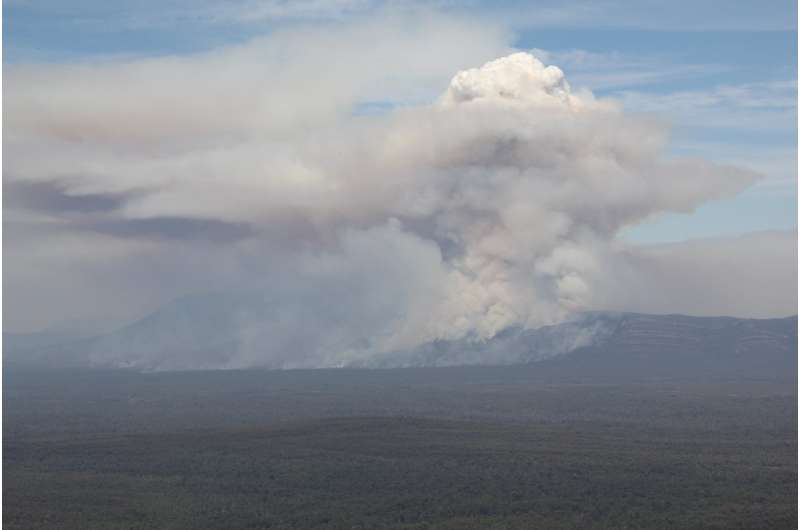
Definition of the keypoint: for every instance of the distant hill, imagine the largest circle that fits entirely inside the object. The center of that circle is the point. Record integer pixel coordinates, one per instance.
(202, 331)
(20, 342)
(200, 328)
(670, 346)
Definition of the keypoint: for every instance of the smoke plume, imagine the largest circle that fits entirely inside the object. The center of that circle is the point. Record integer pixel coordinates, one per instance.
(496, 205)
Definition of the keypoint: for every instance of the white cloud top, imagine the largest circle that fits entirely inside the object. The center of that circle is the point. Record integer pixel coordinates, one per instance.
(518, 78)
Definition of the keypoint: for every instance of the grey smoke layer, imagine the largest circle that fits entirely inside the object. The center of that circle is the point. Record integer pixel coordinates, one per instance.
(496, 206)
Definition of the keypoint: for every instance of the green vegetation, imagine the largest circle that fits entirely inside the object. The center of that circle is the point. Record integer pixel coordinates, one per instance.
(668, 455)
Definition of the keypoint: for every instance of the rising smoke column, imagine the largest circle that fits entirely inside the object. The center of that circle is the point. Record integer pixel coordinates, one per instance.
(497, 205)
(523, 185)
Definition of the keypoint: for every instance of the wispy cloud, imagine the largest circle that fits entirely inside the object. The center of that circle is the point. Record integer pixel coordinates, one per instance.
(654, 15)
(760, 106)
(610, 72)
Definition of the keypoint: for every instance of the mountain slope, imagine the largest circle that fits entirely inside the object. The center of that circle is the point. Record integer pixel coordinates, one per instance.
(206, 332)
(666, 346)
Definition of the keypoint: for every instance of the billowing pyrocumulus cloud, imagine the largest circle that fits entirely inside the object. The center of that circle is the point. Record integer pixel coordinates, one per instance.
(496, 204)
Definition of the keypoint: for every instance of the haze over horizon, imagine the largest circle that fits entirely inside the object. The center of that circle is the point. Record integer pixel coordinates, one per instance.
(393, 176)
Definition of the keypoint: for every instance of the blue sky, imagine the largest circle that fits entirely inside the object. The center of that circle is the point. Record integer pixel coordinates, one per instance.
(723, 74)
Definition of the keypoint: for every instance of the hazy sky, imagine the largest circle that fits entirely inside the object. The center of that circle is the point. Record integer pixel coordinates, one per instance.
(155, 149)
